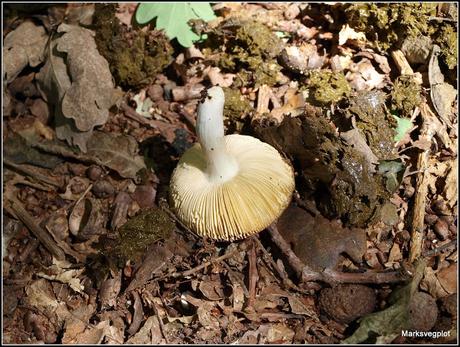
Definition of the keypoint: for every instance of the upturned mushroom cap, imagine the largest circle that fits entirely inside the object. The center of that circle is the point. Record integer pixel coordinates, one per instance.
(228, 187)
(240, 206)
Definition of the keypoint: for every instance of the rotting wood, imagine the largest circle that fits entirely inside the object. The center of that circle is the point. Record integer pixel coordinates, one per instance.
(421, 187)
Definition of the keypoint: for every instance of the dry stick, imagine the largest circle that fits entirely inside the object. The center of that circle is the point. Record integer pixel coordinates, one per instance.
(253, 274)
(421, 187)
(307, 274)
(45, 238)
(188, 118)
(303, 271)
(160, 321)
(287, 282)
(132, 114)
(204, 265)
(441, 249)
(38, 176)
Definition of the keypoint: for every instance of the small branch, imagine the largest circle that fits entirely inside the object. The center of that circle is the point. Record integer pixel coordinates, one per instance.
(16, 209)
(160, 321)
(421, 187)
(253, 274)
(204, 265)
(268, 257)
(297, 265)
(31, 173)
(440, 249)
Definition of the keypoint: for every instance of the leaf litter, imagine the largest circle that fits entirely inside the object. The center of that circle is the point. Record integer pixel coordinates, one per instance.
(365, 114)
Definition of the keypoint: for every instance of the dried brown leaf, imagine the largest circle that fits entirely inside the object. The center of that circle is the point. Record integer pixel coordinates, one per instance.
(63, 272)
(109, 291)
(23, 46)
(120, 153)
(447, 277)
(450, 185)
(150, 333)
(442, 94)
(212, 290)
(76, 79)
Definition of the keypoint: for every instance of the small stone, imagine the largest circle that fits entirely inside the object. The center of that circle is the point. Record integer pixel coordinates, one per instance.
(94, 172)
(423, 312)
(103, 189)
(430, 219)
(441, 229)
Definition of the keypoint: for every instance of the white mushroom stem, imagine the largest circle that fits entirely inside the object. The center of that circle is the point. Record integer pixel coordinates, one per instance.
(221, 166)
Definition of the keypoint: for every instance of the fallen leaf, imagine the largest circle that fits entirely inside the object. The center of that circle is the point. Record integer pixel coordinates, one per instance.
(23, 46)
(442, 93)
(77, 323)
(450, 185)
(109, 291)
(298, 307)
(40, 295)
(76, 79)
(431, 284)
(18, 151)
(212, 290)
(62, 271)
(125, 12)
(395, 255)
(92, 335)
(116, 152)
(448, 278)
(301, 58)
(149, 334)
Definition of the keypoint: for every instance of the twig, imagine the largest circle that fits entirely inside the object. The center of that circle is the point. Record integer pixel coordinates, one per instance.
(297, 265)
(253, 274)
(286, 281)
(160, 321)
(37, 175)
(203, 265)
(442, 19)
(306, 274)
(440, 249)
(16, 209)
(132, 114)
(188, 118)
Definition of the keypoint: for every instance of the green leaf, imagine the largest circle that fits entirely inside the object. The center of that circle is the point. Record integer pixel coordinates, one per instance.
(404, 125)
(173, 18)
(203, 10)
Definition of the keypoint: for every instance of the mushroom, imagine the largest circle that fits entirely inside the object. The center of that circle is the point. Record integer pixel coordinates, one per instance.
(228, 187)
